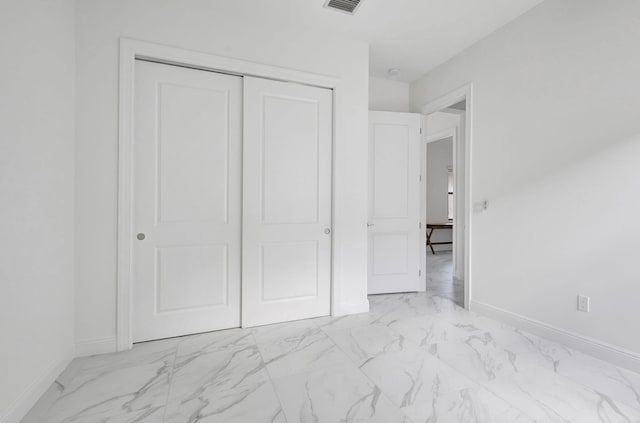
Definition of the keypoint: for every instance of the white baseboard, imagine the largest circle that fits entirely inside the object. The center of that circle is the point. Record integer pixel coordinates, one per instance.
(611, 353)
(95, 346)
(353, 308)
(27, 399)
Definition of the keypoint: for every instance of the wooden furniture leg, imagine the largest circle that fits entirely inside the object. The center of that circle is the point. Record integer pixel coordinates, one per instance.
(429, 241)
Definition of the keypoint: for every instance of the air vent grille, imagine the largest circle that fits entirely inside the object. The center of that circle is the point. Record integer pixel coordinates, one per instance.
(346, 6)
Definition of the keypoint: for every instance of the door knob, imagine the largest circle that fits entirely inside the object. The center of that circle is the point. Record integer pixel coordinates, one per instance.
(327, 231)
(140, 236)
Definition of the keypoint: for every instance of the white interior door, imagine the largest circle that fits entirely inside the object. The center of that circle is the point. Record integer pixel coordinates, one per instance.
(286, 256)
(187, 201)
(394, 202)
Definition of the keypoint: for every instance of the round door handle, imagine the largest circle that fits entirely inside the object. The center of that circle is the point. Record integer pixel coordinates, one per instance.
(140, 236)
(327, 231)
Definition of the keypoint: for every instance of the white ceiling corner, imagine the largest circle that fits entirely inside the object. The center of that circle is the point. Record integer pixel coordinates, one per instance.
(412, 35)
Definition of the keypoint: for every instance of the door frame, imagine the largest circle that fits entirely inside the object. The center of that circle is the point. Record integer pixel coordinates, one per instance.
(463, 93)
(130, 50)
(447, 133)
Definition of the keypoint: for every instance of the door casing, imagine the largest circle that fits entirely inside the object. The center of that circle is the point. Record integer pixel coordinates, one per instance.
(460, 94)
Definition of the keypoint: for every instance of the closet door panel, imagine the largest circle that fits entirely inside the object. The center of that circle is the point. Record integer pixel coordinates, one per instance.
(187, 201)
(286, 202)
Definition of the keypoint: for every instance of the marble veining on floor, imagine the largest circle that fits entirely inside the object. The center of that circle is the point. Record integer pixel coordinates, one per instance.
(415, 358)
(440, 280)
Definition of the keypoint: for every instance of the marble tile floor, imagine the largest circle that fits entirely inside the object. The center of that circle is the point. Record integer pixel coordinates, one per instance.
(440, 280)
(414, 358)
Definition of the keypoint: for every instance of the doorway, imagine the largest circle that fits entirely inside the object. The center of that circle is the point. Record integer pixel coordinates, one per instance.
(441, 279)
(411, 250)
(446, 194)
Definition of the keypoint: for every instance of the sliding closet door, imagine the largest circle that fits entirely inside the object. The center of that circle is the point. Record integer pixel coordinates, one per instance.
(286, 255)
(187, 201)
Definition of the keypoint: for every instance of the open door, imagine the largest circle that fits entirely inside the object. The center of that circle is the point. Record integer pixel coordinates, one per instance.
(394, 203)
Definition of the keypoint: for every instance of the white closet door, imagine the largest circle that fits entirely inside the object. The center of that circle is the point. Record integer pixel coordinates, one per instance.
(187, 201)
(286, 255)
(394, 202)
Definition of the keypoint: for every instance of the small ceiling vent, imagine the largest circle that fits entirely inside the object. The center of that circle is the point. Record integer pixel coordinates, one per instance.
(345, 6)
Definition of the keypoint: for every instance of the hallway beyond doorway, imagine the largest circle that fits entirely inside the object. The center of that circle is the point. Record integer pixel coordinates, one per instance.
(440, 280)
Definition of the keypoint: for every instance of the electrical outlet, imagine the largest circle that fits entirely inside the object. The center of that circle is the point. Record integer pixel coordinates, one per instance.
(584, 303)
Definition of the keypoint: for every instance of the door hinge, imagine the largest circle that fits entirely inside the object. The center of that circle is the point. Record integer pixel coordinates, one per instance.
(419, 225)
(419, 272)
(420, 130)
(420, 178)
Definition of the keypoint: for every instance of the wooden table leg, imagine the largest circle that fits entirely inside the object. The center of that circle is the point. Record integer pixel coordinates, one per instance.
(429, 241)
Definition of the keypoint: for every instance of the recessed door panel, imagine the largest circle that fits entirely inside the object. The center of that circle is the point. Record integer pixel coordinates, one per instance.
(289, 271)
(290, 192)
(390, 170)
(192, 153)
(286, 202)
(187, 270)
(390, 254)
(187, 201)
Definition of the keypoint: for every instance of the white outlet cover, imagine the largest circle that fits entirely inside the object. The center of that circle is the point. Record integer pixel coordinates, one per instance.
(584, 303)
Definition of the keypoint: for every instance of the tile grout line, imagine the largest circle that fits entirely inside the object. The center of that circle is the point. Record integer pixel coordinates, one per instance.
(484, 385)
(170, 382)
(536, 366)
(480, 383)
(447, 365)
(576, 381)
(271, 381)
(359, 368)
(534, 355)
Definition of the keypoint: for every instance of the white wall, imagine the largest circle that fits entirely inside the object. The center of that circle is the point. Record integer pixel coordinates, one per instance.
(204, 26)
(439, 161)
(36, 198)
(388, 96)
(556, 144)
(439, 122)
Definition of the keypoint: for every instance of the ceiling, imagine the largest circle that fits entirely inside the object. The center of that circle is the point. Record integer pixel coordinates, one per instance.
(413, 36)
(417, 35)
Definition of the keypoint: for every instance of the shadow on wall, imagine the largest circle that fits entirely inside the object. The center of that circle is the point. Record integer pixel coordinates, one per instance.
(593, 241)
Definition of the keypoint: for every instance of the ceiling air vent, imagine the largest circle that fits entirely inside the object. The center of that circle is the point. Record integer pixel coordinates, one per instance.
(346, 6)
